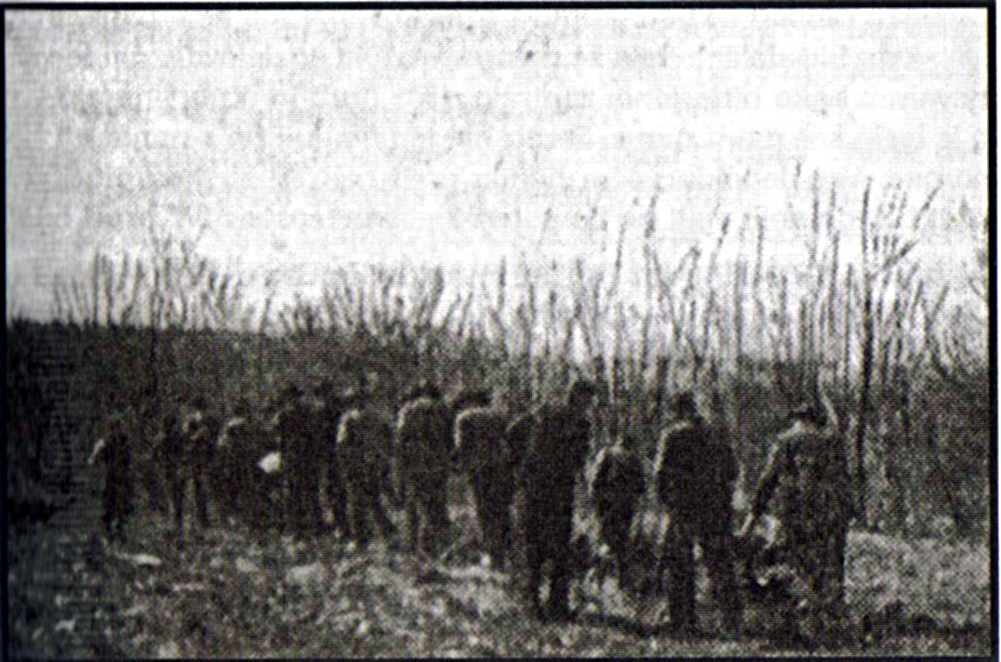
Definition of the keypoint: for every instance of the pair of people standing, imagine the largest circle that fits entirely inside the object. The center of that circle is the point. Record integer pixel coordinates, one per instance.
(183, 453)
(806, 475)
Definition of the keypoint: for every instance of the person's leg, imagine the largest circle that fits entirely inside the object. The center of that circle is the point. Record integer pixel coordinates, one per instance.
(505, 537)
(363, 527)
(495, 532)
(438, 515)
(201, 499)
(108, 508)
(680, 565)
(534, 561)
(379, 515)
(337, 496)
(560, 529)
(717, 550)
(533, 533)
(179, 483)
(559, 587)
(414, 518)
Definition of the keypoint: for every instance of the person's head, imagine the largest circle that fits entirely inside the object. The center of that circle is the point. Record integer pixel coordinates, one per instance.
(581, 394)
(806, 413)
(292, 392)
(683, 407)
(353, 398)
(242, 408)
(471, 397)
(324, 389)
(424, 389)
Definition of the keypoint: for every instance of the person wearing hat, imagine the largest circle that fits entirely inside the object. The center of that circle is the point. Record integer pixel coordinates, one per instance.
(695, 474)
(237, 449)
(617, 488)
(364, 452)
(423, 439)
(556, 439)
(806, 478)
(293, 426)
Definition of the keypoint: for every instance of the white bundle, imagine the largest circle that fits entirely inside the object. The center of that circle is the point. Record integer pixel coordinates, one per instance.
(271, 463)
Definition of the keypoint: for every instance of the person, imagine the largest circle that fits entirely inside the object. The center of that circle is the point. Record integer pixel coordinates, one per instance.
(423, 439)
(333, 408)
(295, 429)
(806, 477)
(364, 453)
(113, 450)
(266, 506)
(199, 431)
(169, 460)
(237, 450)
(556, 438)
(618, 485)
(484, 456)
(695, 473)
(146, 455)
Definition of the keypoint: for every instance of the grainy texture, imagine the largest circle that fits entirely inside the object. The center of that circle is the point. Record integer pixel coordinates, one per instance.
(764, 207)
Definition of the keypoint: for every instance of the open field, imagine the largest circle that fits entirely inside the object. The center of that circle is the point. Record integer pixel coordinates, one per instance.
(212, 213)
(239, 595)
(903, 361)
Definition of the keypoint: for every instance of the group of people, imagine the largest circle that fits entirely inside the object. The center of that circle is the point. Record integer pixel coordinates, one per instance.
(804, 483)
(341, 451)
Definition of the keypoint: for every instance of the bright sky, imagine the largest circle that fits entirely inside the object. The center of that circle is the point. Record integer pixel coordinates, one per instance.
(296, 141)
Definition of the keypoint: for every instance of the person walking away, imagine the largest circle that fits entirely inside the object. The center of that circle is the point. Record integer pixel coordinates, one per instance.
(199, 432)
(806, 479)
(364, 449)
(114, 452)
(333, 408)
(618, 486)
(423, 441)
(294, 428)
(485, 458)
(695, 473)
(556, 438)
(237, 450)
(170, 463)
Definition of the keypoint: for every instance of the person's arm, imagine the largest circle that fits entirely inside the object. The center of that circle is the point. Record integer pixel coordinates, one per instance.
(663, 471)
(516, 437)
(729, 471)
(98, 454)
(832, 426)
(767, 483)
(586, 439)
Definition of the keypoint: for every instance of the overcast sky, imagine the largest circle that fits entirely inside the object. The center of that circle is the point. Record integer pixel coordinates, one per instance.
(296, 141)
